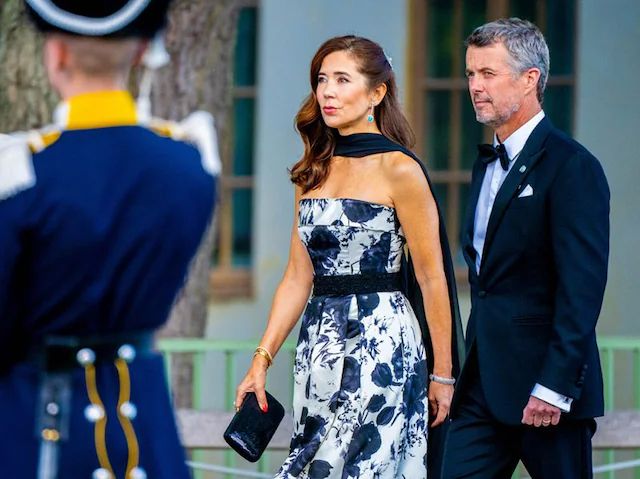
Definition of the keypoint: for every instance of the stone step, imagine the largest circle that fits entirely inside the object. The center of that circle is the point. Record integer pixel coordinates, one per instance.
(204, 430)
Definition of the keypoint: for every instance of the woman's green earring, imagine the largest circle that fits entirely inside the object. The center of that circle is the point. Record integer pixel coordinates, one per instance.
(370, 116)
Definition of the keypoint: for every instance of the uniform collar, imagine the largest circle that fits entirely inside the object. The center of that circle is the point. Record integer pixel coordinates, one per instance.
(96, 110)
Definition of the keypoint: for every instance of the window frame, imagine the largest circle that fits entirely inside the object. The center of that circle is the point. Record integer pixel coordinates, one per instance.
(226, 281)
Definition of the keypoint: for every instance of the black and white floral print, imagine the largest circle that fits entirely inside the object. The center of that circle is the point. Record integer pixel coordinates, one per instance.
(360, 399)
(346, 236)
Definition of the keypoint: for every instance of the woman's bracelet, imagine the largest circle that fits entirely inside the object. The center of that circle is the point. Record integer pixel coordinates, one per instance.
(265, 354)
(442, 380)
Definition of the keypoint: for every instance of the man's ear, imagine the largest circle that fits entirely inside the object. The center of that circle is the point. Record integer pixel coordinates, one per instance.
(141, 49)
(531, 77)
(56, 56)
(50, 53)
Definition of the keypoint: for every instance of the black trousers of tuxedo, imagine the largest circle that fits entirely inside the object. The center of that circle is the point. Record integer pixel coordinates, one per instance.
(479, 447)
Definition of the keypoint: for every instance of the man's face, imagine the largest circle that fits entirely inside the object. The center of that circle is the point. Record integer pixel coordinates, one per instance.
(497, 92)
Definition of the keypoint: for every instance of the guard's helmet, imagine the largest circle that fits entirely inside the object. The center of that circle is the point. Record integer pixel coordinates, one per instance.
(100, 18)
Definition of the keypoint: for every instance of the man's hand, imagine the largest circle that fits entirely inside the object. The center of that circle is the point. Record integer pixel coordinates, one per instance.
(539, 413)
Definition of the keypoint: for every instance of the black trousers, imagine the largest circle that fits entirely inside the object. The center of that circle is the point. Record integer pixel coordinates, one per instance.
(480, 447)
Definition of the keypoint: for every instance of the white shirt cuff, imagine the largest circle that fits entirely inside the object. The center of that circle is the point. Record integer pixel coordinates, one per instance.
(552, 397)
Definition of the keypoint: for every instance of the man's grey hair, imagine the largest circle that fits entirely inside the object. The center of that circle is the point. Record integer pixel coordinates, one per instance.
(523, 40)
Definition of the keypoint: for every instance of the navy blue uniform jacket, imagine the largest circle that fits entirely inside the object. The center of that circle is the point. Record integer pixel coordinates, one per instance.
(98, 224)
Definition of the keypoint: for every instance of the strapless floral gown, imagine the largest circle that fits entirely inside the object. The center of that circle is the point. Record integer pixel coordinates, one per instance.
(360, 403)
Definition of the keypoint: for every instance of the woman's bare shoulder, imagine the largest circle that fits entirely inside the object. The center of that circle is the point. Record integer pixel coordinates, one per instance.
(400, 167)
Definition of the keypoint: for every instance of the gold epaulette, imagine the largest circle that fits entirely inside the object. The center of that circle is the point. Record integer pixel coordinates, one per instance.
(42, 138)
(199, 130)
(167, 128)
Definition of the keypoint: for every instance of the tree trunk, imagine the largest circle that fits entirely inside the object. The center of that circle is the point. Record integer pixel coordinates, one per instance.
(201, 41)
(26, 100)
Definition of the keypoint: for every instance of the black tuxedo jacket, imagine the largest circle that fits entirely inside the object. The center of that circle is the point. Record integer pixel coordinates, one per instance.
(537, 297)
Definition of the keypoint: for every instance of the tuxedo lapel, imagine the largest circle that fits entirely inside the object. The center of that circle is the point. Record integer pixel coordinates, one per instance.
(479, 169)
(477, 177)
(531, 153)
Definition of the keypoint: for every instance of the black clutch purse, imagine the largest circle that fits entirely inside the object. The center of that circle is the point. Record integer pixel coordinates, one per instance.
(250, 430)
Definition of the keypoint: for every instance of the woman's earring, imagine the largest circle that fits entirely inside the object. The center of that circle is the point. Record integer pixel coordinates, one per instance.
(370, 116)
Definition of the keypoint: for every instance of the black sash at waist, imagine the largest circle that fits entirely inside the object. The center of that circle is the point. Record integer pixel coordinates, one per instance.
(60, 353)
(342, 285)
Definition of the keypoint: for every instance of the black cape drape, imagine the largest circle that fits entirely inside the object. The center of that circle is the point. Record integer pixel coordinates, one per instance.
(364, 144)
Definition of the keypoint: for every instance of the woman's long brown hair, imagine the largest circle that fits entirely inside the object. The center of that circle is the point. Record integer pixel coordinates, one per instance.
(319, 139)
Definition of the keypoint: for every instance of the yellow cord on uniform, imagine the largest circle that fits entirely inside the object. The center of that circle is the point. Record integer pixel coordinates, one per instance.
(101, 424)
(125, 422)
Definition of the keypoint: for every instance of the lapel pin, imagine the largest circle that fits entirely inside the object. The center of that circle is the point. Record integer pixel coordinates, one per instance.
(523, 169)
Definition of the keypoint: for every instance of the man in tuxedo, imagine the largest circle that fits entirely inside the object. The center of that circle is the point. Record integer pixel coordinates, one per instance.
(536, 242)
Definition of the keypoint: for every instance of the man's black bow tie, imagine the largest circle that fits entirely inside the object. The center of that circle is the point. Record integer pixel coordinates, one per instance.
(489, 153)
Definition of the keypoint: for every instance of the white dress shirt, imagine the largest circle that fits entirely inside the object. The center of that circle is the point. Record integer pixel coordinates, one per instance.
(494, 176)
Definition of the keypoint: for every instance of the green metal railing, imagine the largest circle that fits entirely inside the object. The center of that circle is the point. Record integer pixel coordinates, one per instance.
(231, 352)
(620, 361)
(625, 352)
(199, 348)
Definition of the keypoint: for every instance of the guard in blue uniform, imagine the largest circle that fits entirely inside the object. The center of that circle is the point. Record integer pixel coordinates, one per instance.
(101, 214)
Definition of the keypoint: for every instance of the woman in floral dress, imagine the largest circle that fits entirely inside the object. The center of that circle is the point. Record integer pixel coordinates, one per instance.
(362, 396)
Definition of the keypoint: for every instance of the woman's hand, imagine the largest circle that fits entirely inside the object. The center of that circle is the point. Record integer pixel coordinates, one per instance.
(440, 396)
(254, 381)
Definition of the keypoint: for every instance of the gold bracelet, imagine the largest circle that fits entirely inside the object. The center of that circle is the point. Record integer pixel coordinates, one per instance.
(265, 354)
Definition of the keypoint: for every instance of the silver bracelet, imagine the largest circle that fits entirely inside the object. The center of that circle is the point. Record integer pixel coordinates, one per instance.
(442, 380)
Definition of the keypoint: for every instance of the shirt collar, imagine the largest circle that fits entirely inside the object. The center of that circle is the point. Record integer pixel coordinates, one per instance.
(516, 141)
(96, 110)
